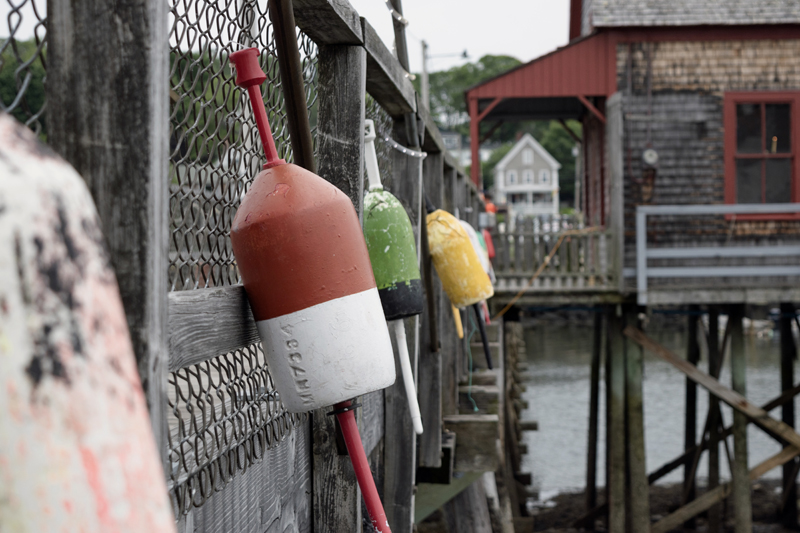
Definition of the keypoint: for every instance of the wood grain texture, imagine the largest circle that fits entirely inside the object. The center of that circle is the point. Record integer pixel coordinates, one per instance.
(273, 495)
(639, 488)
(340, 141)
(340, 126)
(740, 486)
(469, 511)
(386, 79)
(739, 403)
(476, 441)
(372, 420)
(615, 169)
(616, 422)
(328, 21)
(430, 362)
(205, 323)
(110, 120)
(715, 496)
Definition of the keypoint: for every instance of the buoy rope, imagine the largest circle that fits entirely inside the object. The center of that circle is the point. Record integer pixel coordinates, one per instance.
(545, 263)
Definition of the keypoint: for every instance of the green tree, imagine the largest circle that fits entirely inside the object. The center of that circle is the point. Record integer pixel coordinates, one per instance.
(27, 75)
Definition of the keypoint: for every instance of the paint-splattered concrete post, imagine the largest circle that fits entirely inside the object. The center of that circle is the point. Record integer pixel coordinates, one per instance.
(76, 447)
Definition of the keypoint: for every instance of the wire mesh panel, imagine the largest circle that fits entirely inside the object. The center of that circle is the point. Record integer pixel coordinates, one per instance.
(383, 129)
(22, 61)
(215, 149)
(224, 412)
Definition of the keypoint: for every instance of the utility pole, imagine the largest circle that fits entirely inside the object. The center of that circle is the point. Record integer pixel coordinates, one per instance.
(426, 95)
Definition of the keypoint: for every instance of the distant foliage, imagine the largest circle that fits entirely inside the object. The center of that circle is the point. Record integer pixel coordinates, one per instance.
(22, 72)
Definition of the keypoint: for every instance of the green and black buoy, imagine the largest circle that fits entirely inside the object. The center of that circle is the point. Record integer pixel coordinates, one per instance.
(390, 241)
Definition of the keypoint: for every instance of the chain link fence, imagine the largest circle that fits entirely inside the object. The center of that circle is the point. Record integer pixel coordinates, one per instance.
(23, 51)
(224, 412)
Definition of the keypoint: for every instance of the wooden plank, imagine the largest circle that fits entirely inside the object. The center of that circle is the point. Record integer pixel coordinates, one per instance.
(788, 355)
(433, 141)
(615, 173)
(740, 492)
(594, 412)
(690, 426)
(476, 441)
(272, 495)
(616, 422)
(113, 128)
(372, 415)
(715, 357)
(639, 489)
(386, 80)
(340, 127)
(430, 362)
(340, 135)
(329, 21)
(486, 399)
(205, 323)
(469, 511)
(739, 403)
(715, 496)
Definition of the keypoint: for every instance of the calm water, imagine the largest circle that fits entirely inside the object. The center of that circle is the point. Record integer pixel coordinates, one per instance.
(558, 397)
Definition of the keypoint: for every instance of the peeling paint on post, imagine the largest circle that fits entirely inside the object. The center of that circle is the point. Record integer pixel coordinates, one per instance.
(76, 446)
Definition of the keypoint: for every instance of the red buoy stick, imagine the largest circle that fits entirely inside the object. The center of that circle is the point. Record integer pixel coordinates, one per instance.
(355, 449)
(250, 75)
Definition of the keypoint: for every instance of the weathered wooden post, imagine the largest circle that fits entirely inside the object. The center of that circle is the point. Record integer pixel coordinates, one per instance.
(340, 130)
(788, 356)
(615, 424)
(76, 444)
(639, 488)
(690, 431)
(594, 403)
(714, 368)
(108, 116)
(740, 492)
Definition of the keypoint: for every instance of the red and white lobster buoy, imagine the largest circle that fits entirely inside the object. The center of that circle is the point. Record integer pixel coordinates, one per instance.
(306, 270)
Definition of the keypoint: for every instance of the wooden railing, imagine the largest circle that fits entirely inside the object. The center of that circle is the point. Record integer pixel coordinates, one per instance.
(582, 261)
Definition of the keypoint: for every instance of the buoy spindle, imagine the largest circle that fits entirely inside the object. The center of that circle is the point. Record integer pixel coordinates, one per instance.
(250, 76)
(347, 420)
(408, 375)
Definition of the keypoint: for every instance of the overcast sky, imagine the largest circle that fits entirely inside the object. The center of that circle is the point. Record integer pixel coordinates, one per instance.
(524, 29)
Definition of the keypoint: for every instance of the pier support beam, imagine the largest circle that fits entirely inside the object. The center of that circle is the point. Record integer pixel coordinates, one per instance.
(714, 367)
(594, 404)
(638, 494)
(740, 493)
(788, 355)
(615, 424)
(690, 432)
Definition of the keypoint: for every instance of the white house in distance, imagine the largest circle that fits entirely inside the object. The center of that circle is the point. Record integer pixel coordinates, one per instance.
(526, 179)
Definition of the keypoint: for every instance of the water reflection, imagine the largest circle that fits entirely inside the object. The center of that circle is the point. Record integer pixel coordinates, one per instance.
(558, 397)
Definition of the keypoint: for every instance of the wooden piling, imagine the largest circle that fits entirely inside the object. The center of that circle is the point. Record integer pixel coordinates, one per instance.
(638, 488)
(714, 367)
(690, 431)
(616, 422)
(342, 81)
(788, 355)
(740, 493)
(594, 404)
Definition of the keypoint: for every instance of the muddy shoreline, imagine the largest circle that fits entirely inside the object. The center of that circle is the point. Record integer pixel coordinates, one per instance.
(560, 513)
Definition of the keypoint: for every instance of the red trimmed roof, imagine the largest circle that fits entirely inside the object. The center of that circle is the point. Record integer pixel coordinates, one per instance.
(585, 67)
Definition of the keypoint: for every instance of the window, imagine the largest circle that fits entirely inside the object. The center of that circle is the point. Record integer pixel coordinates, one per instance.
(512, 177)
(518, 198)
(527, 157)
(527, 176)
(761, 145)
(544, 176)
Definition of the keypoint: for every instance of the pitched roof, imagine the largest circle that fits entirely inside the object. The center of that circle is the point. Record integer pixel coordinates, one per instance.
(527, 140)
(619, 13)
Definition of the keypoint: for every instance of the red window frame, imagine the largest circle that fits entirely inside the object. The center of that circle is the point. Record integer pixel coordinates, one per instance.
(729, 122)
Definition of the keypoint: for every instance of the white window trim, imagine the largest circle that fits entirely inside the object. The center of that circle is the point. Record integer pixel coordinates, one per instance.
(545, 176)
(528, 173)
(512, 177)
(527, 156)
